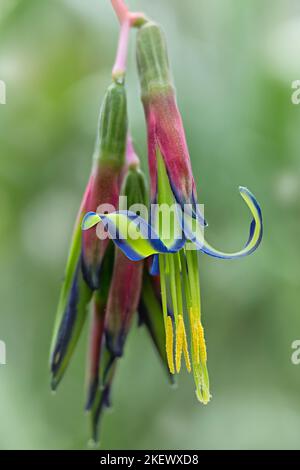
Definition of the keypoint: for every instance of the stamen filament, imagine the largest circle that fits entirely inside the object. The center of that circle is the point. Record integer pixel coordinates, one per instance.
(186, 353)
(167, 266)
(186, 283)
(163, 288)
(181, 346)
(173, 287)
(195, 338)
(177, 271)
(198, 346)
(178, 282)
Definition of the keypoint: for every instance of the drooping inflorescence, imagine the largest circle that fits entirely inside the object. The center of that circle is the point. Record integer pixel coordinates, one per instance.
(142, 257)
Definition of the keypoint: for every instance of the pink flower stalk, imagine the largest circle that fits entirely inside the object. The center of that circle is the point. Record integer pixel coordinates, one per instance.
(127, 20)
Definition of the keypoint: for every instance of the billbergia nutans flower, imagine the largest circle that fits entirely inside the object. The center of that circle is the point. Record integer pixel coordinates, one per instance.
(83, 271)
(139, 261)
(99, 272)
(172, 185)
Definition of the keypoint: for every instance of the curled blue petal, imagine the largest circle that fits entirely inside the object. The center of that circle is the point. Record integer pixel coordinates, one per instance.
(255, 235)
(90, 220)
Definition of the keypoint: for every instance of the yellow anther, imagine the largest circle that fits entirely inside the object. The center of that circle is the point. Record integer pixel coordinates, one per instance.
(179, 341)
(202, 345)
(169, 344)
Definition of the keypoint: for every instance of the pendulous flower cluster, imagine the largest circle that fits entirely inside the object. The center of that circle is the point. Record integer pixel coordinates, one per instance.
(138, 267)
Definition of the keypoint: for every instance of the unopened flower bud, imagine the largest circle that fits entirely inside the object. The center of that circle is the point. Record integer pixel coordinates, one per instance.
(152, 60)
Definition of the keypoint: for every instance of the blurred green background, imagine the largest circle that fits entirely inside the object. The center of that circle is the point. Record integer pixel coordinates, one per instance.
(233, 62)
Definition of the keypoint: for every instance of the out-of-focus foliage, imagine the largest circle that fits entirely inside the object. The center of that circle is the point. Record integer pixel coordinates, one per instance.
(233, 64)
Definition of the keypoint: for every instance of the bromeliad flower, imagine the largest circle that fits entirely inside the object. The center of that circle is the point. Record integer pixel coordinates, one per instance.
(99, 272)
(179, 279)
(109, 158)
(163, 289)
(117, 300)
(172, 185)
(83, 271)
(123, 291)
